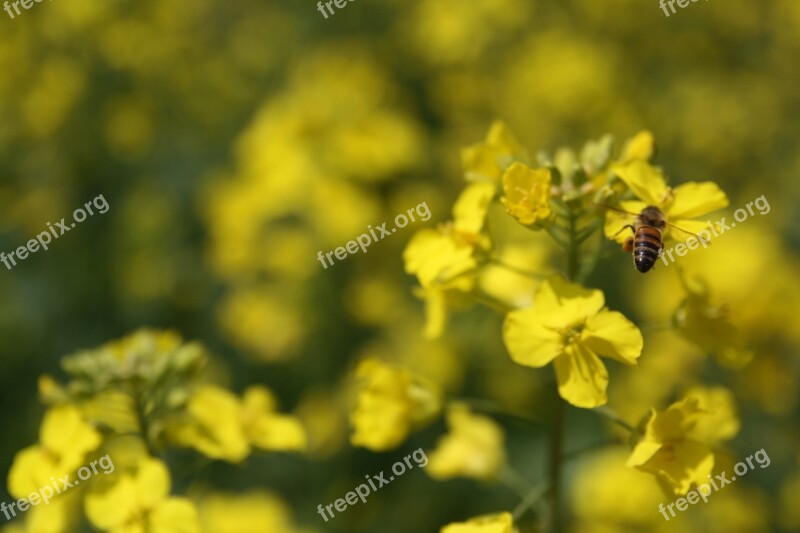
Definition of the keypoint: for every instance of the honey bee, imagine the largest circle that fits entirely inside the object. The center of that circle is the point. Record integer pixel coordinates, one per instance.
(647, 241)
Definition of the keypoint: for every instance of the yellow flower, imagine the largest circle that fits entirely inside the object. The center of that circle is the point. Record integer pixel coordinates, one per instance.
(676, 446)
(527, 193)
(495, 523)
(473, 448)
(253, 511)
(445, 260)
(141, 503)
(265, 427)
(680, 205)
(389, 403)
(708, 324)
(222, 427)
(641, 146)
(569, 326)
(65, 439)
(490, 158)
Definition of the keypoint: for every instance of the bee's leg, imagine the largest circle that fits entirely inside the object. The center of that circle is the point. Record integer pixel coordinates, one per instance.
(623, 228)
(627, 246)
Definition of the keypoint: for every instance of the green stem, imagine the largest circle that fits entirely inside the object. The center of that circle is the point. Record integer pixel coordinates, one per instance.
(556, 444)
(614, 417)
(531, 499)
(488, 406)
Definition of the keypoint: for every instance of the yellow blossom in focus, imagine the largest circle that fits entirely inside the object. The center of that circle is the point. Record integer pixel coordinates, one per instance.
(569, 326)
(223, 427)
(389, 403)
(473, 447)
(141, 503)
(65, 439)
(496, 523)
(676, 446)
(490, 158)
(527, 193)
(680, 205)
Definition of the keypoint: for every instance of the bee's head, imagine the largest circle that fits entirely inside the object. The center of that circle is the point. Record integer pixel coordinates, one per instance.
(652, 216)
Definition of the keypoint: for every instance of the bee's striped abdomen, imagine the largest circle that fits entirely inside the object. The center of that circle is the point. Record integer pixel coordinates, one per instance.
(646, 245)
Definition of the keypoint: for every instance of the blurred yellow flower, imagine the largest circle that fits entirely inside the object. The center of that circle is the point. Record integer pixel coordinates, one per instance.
(473, 448)
(641, 146)
(141, 503)
(527, 193)
(256, 511)
(489, 159)
(607, 496)
(495, 523)
(65, 439)
(676, 446)
(223, 427)
(445, 260)
(569, 326)
(389, 403)
(680, 204)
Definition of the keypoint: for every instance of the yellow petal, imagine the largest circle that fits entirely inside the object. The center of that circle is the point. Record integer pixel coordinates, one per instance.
(640, 146)
(384, 411)
(114, 507)
(646, 181)
(496, 523)
(720, 421)
(610, 334)
(684, 463)
(65, 433)
(438, 259)
(216, 430)
(642, 452)
(488, 159)
(560, 304)
(469, 211)
(31, 469)
(279, 433)
(152, 482)
(582, 377)
(683, 230)
(175, 515)
(528, 341)
(616, 221)
(693, 199)
(474, 447)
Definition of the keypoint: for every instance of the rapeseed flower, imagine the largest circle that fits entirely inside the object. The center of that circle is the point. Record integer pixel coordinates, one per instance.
(65, 439)
(527, 193)
(223, 427)
(473, 448)
(680, 205)
(569, 326)
(140, 502)
(677, 445)
(389, 403)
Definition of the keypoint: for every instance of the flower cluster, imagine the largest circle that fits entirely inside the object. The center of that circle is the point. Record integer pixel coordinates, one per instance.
(134, 400)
